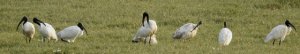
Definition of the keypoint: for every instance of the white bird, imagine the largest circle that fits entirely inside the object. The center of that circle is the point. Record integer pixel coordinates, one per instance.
(279, 32)
(148, 30)
(46, 30)
(69, 34)
(153, 39)
(28, 29)
(186, 31)
(225, 36)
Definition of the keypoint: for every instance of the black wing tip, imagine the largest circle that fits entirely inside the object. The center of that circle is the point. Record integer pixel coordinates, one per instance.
(133, 41)
(64, 40)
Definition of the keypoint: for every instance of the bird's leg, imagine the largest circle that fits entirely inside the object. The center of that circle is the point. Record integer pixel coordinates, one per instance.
(44, 40)
(26, 39)
(279, 42)
(29, 40)
(273, 42)
(145, 40)
(150, 39)
(49, 39)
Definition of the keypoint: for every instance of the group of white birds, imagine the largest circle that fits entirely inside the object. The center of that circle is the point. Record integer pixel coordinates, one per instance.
(47, 31)
(147, 32)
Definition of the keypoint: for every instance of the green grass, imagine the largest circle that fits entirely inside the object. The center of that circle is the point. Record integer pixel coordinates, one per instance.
(112, 23)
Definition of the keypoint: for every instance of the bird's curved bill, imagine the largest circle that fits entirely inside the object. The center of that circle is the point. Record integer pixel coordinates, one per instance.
(293, 26)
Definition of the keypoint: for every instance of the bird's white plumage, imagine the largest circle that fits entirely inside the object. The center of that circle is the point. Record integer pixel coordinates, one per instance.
(278, 32)
(28, 27)
(47, 32)
(28, 30)
(69, 34)
(153, 39)
(146, 30)
(225, 36)
(185, 31)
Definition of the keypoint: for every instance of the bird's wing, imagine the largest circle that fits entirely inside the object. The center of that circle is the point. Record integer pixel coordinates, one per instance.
(178, 35)
(222, 35)
(228, 36)
(68, 33)
(142, 33)
(276, 33)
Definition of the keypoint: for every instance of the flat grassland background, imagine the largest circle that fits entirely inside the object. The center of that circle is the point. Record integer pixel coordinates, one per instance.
(112, 23)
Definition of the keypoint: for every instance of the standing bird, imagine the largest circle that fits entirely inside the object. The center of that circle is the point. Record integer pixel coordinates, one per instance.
(148, 30)
(186, 31)
(225, 36)
(279, 32)
(46, 30)
(28, 29)
(69, 34)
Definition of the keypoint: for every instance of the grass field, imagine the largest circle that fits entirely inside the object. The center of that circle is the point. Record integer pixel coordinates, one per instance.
(112, 23)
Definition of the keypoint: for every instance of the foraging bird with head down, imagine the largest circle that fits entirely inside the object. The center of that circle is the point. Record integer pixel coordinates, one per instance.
(225, 36)
(147, 30)
(186, 31)
(28, 29)
(46, 30)
(69, 34)
(280, 32)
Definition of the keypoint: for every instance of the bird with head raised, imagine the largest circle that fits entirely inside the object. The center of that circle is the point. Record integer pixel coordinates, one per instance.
(28, 29)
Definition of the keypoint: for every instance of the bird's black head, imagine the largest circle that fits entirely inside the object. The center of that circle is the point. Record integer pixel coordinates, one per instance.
(37, 21)
(82, 27)
(145, 15)
(289, 24)
(199, 23)
(24, 20)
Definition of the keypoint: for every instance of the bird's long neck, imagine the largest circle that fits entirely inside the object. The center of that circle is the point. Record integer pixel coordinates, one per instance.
(197, 25)
(225, 26)
(24, 21)
(145, 15)
(147, 22)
